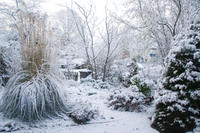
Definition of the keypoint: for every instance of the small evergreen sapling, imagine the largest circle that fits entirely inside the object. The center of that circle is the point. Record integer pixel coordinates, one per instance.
(178, 103)
(143, 87)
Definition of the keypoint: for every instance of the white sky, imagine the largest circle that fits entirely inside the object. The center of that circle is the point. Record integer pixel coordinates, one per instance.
(53, 6)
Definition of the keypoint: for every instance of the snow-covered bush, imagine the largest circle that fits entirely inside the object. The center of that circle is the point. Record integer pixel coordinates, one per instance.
(83, 112)
(3, 70)
(143, 86)
(33, 93)
(96, 84)
(122, 71)
(10, 127)
(12, 52)
(81, 108)
(128, 99)
(102, 85)
(178, 102)
(9, 55)
(138, 91)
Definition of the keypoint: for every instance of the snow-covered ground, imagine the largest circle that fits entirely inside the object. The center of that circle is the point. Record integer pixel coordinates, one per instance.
(123, 123)
(110, 121)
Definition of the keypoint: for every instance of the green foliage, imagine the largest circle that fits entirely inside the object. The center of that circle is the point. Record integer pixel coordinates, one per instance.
(143, 87)
(128, 69)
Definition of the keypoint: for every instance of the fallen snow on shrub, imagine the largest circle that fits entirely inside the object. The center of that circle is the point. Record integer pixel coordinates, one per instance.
(82, 112)
(82, 109)
(128, 99)
(96, 84)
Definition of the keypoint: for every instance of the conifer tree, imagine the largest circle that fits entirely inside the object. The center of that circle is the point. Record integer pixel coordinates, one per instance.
(178, 103)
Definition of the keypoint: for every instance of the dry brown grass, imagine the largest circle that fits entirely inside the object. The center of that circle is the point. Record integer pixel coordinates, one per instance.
(35, 46)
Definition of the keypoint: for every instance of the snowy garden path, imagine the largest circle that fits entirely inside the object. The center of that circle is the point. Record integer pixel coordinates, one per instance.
(124, 123)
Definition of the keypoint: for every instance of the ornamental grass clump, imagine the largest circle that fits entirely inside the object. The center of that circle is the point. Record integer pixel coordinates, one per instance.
(34, 93)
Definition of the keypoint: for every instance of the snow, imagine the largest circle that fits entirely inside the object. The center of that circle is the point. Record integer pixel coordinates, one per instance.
(164, 96)
(126, 122)
(150, 70)
(80, 70)
(78, 61)
(110, 121)
(197, 55)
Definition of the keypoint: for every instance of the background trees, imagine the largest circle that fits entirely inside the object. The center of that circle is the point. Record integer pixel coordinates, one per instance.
(157, 22)
(99, 40)
(87, 30)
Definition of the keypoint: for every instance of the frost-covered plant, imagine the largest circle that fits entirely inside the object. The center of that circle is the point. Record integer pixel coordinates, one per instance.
(126, 76)
(97, 84)
(9, 55)
(10, 50)
(145, 85)
(178, 103)
(35, 42)
(3, 70)
(122, 71)
(142, 85)
(33, 93)
(83, 112)
(127, 99)
(30, 98)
